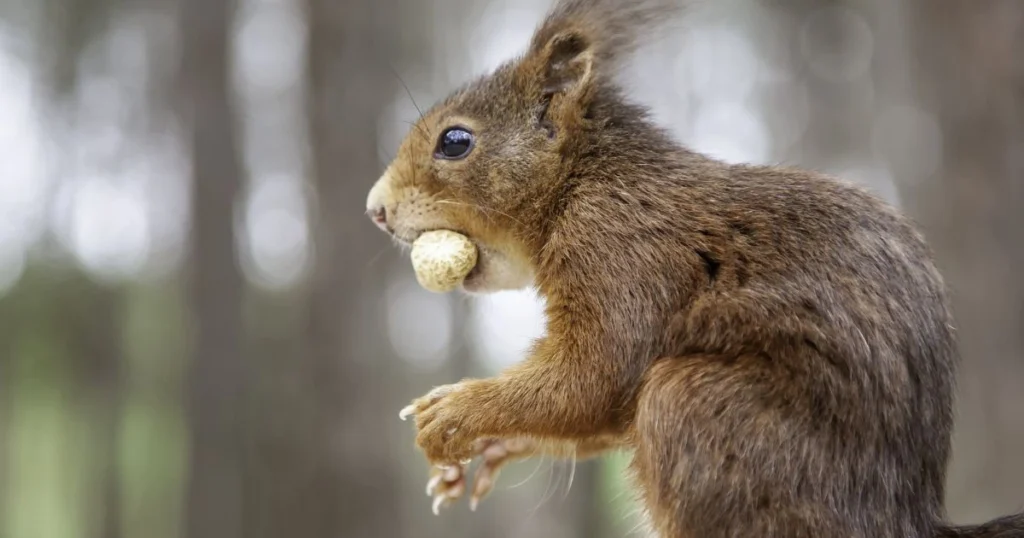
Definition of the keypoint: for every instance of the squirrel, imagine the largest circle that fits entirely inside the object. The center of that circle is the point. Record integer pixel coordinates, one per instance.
(774, 345)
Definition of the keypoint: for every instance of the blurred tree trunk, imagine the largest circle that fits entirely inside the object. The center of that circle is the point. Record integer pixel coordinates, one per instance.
(213, 505)
(354, 489)
(9, 329)
(971, 76)
(92, 327)
(108, 393)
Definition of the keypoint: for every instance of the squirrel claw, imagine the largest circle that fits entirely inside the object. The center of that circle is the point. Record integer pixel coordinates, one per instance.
(446, 484)
(421, 404)
(407, 412)
(433, 483)
(444, 498)
(450, 482)
(438, 502)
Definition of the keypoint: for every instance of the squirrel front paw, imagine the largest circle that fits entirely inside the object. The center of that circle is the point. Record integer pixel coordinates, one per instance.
(447, 485)
(448, 421)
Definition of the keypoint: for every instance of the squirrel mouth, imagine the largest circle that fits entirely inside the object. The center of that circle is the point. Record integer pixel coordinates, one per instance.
(407, 237)
(475, 271)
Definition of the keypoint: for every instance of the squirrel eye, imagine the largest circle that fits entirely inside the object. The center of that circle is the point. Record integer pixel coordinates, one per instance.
(455, 143)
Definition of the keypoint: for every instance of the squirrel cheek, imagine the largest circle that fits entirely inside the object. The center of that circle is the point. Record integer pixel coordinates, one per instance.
(497, 271)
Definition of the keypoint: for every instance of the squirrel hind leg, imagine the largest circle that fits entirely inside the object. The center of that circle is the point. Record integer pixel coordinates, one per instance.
(718, 453)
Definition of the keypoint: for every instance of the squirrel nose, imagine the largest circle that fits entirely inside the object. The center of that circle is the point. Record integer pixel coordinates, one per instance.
(379, 216)
(376, 202)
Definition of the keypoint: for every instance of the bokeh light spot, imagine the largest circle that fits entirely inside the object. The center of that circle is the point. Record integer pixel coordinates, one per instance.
(104, 226)
(276, 233)
(419, 324)
(837, 43)
(505, 325)
(732, 132)
(910, 140)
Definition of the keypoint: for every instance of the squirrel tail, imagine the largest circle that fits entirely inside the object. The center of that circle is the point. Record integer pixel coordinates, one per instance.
(1004, 527)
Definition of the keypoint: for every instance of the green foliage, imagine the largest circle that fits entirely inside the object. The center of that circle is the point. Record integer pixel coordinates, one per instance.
(618, 494)
(55, 477)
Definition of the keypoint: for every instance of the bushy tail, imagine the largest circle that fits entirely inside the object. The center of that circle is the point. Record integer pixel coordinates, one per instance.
(1005, 527)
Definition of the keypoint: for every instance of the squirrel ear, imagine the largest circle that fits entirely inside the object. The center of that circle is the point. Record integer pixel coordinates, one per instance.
(567, 63)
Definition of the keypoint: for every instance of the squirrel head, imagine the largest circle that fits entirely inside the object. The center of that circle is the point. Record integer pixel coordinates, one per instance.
(493, 160)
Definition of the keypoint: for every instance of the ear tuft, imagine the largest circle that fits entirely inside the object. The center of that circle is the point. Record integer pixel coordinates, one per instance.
(569, 63)
(582, 44)
(607, 32)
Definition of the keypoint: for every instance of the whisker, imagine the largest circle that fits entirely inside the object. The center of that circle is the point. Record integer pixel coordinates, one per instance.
(418, 128)
(540, 462)
(618, 495)
(376, 257)
(643, 523)
(482, 208)
(643, 526)
(572, 475)
(414, 104)
(402, 247)
(407, 91)
(487, 209)
(547, 490)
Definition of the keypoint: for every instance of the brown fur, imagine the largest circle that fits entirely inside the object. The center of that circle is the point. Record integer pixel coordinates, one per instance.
(774, 345)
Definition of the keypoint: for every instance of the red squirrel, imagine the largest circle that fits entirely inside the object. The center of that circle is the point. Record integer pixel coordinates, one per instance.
(773, 345)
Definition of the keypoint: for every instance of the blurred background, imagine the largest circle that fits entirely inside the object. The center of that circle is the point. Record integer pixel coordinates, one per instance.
(201, 334)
